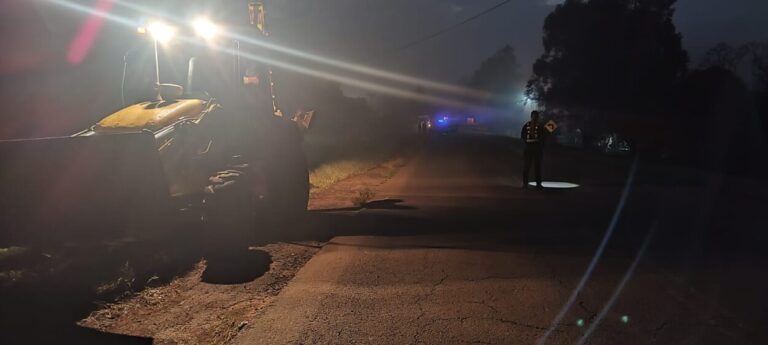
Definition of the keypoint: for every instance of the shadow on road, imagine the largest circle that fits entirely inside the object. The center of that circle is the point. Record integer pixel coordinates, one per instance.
(387, 204)
(45, 311)
(60, 286)
(383, 204)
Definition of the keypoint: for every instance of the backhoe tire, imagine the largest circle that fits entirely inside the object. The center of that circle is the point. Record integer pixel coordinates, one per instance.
(287, 175)
(289, 188)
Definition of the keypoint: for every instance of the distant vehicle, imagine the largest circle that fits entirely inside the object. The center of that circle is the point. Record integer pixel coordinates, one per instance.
(452, 123)
(184, 156)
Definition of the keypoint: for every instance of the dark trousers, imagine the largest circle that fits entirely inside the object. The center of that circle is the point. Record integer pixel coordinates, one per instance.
(532, 155)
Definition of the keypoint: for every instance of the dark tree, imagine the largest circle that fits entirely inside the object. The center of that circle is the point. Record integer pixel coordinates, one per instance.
(609, 55)
(715, 119)
(724, 55)
(498, 74)
(757, 53)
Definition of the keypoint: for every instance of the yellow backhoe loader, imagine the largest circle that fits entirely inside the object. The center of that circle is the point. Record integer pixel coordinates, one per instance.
(215, 151)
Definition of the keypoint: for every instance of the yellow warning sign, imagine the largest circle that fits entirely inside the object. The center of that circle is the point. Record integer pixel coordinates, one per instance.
(551, 126)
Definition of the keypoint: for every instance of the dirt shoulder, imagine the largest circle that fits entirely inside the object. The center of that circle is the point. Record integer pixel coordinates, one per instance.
(190, 310)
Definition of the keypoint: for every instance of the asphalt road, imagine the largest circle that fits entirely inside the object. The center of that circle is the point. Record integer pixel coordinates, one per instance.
(455, 252)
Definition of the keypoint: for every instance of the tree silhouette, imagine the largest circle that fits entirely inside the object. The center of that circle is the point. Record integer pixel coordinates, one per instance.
(716, 111)
(609, 55)
(758, 57)
(724, 55)
(757, 53)
(498, 74)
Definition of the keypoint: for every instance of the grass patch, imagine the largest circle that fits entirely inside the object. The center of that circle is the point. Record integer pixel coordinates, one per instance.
(392, 166)
(332, 160)
(11, 251)
(332, 172)
(363, 197)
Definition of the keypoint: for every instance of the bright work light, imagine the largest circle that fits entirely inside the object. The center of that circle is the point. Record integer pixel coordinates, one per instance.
(161, 32)
(205, 28)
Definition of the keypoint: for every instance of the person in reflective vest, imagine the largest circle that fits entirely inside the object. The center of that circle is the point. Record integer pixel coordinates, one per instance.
(533, 139)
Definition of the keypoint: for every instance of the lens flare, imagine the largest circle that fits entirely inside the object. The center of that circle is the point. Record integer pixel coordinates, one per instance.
(89, 31)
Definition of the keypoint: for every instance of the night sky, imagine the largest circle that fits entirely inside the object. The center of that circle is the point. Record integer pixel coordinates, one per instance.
(37, 36)
(371, 31)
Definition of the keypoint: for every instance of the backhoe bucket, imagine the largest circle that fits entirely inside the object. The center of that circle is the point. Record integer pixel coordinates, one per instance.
(80, 188)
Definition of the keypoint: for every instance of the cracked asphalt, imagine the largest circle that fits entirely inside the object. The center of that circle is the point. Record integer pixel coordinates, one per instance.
(477, 260)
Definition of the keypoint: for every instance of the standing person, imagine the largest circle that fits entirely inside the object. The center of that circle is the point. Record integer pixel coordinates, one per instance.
(532, 135)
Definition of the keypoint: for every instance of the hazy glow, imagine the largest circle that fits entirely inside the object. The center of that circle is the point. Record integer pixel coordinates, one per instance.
(365, 85)
(168, 32)
(374, 72)
(397, 77)
(527, 102)
(160, 31)
(555, 184)
(205, 28)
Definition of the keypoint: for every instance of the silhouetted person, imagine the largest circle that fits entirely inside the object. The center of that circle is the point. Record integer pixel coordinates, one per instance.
(533, 138)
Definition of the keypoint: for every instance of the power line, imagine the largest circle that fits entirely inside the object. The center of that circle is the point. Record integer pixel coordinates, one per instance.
(450, 28)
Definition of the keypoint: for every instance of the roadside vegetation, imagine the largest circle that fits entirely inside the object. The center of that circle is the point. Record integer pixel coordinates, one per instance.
(363, 197)
(332, 172)
(335, 153)
(708, 114)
